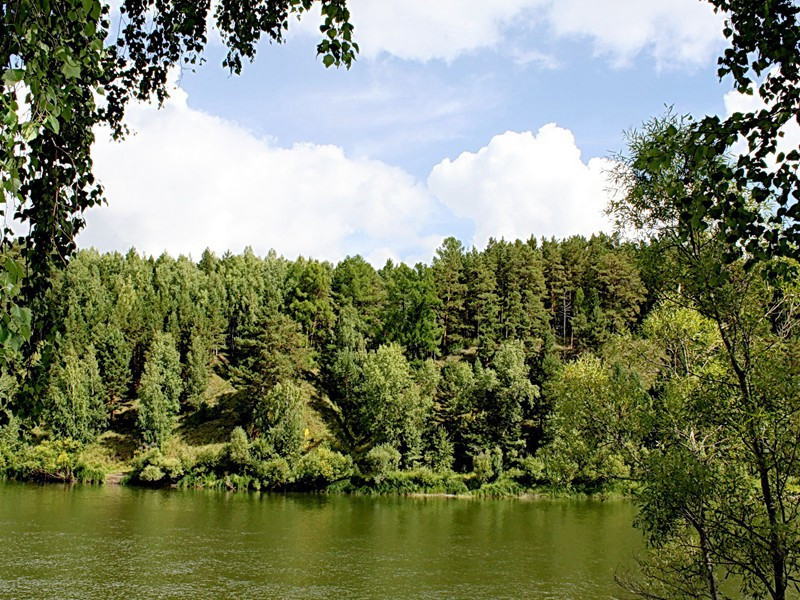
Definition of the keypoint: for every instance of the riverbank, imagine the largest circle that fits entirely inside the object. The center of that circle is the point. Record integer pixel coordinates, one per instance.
(320, 470)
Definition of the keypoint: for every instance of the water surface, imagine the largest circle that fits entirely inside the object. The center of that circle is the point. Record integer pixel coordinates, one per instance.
(119, 542)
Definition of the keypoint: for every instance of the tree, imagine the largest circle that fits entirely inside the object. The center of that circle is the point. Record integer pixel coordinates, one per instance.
(763, 59)
(738, 420)
(195, 370)
(356, 282)
(58, 57)
(76, 400)
(278, 419)
(448, 275)
(114, 356)
(308, 298)
(160, 390)
(409, 316)
(272, 351)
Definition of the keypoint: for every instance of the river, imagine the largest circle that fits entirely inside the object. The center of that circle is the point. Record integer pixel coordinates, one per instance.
(122, 542)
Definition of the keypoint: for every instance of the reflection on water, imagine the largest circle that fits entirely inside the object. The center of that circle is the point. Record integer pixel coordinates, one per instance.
(111, 541)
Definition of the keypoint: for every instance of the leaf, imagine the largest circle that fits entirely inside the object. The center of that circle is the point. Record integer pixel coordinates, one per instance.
(52, 123)
(30, 131)
(71, 69)
(328, 60)
(12, 76)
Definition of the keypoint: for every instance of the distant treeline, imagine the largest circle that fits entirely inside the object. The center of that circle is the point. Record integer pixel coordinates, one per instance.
(446, 368)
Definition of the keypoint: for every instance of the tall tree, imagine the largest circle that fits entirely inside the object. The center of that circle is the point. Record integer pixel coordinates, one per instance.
(160, 390)
(448, 275)
(748, 408)
(409, 315)
(76, 402)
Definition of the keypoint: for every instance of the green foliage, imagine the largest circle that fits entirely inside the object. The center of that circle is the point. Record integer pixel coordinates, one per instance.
(322, 466)
(380, 461)
(483, 466)
(114, 357)
(599, 420)
(448, 276)
(308, 298)
(238, 449)
(160, 391)
(271, 351)
(390, 397)
(409, 316)
(440, 457)
(75, 405)
(196, 370)
(15, 323)
(278, 418)
(52, 460)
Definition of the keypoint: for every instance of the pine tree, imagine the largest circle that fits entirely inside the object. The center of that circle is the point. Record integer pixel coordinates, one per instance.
(448, 275)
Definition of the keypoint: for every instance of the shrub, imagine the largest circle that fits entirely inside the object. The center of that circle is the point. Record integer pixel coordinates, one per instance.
(238, 449)
(322, 466)
(482, 464)
(275, 473)
(151, 474)
(52, 460)
(381, 461)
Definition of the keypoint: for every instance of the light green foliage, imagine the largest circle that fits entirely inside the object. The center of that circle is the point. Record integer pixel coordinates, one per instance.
(381, 461)
(75, 405)
(599, 417)
(278, 419)
(160, 390)
(53, 460)
(323, 466)
(238, 448)
(483, 466)
(392, 398)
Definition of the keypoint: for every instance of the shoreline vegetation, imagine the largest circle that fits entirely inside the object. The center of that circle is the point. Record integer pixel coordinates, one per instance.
(252, 373)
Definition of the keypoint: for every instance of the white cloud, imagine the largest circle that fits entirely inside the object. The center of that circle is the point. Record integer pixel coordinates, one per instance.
(737, 102)
(420, 30)
(187, 180)
(675, 32)
(522, 184)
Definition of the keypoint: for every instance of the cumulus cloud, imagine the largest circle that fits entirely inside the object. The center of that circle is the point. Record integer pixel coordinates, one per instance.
(674, 32)
(522, 184)
(187, 180)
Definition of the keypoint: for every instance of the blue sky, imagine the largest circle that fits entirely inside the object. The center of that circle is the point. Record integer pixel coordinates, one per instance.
(460, 117)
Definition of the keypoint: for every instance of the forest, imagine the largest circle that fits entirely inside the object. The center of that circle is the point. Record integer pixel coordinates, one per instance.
(262, 372)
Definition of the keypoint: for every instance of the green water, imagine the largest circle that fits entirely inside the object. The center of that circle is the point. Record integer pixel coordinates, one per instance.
(118, 542)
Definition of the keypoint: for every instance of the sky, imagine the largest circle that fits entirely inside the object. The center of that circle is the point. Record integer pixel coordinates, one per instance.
(460, 117)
